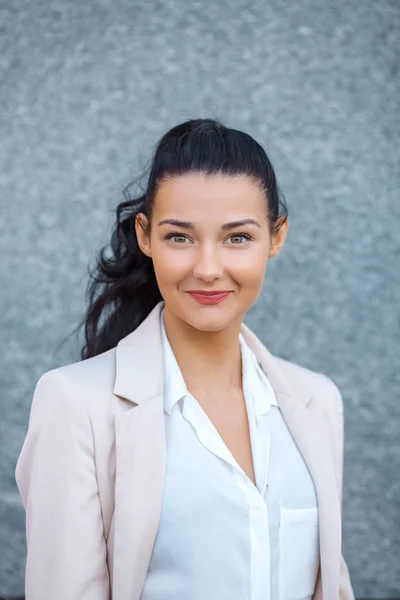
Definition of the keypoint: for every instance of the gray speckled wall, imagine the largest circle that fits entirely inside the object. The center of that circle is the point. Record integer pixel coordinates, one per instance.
(86, 90)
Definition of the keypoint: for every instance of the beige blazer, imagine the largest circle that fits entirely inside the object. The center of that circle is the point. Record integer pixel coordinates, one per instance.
(92, 467)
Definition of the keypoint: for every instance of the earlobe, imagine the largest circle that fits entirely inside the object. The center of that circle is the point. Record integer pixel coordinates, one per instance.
(274, 250)
(279, 237)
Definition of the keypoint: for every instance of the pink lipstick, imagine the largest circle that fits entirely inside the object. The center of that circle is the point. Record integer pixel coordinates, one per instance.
(208, 297)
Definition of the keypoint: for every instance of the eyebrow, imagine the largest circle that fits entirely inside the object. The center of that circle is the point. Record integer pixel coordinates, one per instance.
(225, 226)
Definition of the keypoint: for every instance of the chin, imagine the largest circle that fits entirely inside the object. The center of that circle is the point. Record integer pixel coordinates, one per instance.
(209, 327)
(212, 320)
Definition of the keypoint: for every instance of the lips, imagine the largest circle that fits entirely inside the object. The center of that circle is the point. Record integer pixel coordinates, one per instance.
(208, 297)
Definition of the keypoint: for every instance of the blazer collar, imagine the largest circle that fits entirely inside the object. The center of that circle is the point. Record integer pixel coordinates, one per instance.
(140, 361)
(143, 347)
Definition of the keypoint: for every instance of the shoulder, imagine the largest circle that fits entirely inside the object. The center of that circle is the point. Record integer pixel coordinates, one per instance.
(85, 384)
(317, 388)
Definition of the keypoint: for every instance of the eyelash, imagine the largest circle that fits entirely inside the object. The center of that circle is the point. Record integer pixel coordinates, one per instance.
(247, 237)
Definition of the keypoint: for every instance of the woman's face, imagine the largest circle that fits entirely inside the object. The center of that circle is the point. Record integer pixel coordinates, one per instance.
(209, 234)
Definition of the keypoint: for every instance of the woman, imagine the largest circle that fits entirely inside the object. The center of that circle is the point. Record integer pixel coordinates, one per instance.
(181, 460)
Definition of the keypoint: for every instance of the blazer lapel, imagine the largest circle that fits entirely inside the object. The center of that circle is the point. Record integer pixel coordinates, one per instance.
(140, 448)
(141, 457)
(311, 433)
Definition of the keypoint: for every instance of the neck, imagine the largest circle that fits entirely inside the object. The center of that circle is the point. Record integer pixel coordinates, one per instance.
(208, 360)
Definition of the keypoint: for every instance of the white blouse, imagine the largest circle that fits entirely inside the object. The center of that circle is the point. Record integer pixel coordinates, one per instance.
(221, 537)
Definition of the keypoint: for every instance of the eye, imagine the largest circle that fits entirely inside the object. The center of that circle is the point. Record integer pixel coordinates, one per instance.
(240, 238)
(178, 238)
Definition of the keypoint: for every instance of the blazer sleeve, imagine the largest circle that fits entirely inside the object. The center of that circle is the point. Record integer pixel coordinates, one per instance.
(56, 478)
(345, 588)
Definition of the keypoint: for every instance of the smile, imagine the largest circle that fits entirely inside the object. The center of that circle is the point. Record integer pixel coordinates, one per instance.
(208, 297)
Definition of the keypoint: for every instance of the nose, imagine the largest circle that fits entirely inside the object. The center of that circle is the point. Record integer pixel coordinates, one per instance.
(208, 265)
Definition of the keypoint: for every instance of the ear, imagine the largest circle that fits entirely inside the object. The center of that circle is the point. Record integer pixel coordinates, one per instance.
(142, 229)
(279, 236)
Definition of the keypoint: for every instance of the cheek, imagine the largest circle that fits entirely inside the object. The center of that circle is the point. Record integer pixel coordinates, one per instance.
(249, 268)
(170, 266)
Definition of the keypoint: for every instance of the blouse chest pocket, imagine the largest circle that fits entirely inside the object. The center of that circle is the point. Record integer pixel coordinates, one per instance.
(299, 552)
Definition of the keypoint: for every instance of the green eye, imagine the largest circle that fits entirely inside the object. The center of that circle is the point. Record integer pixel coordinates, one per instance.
(178, 238)
(239, 238)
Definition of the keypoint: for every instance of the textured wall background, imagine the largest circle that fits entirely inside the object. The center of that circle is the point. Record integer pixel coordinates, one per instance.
(88, 88)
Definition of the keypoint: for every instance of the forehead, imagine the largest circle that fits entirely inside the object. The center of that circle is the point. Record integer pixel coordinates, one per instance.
(198, 192)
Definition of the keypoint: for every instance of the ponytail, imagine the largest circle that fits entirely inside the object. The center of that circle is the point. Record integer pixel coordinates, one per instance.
(123, 288)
